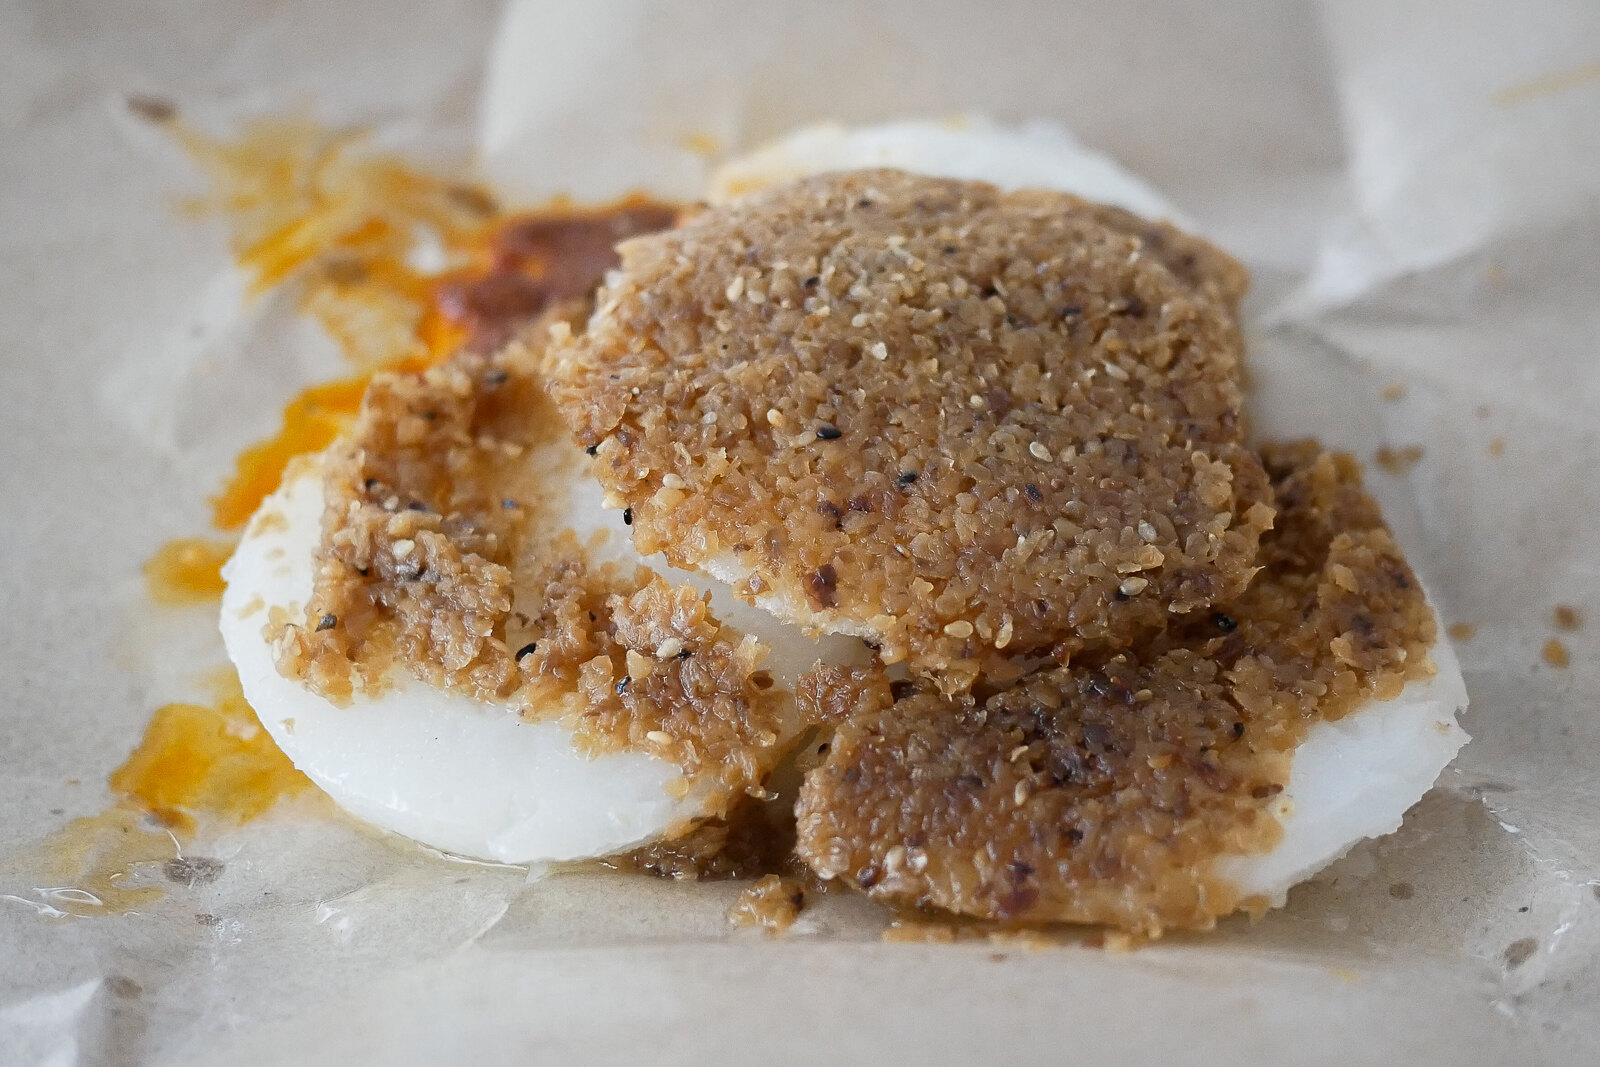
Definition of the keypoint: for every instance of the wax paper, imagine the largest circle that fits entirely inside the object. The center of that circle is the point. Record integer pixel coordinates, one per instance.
(1416, 188)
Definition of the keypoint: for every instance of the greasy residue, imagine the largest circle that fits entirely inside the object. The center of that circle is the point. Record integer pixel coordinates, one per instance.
(201, 769)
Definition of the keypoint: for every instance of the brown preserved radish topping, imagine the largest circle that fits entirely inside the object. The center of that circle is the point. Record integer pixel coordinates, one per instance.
(446, 555)
(1104, 791)
(960, 423)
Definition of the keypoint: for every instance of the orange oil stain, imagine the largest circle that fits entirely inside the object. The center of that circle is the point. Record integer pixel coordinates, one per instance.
(187, 571)
(200, 768)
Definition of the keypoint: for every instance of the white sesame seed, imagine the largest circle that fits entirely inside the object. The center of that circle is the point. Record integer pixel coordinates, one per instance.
(860, 319)
(959, 628)
(1039, 451)
(1146, 530)
(1116, 372)
(402, 547)
(975, 400)
(880, 351)
(669, 648)
(673, 481)
(659, 737)
(1019, 795)
(735, 288)
(1002, 637)
(1017, 753)
(1133, 586)
(895, 858)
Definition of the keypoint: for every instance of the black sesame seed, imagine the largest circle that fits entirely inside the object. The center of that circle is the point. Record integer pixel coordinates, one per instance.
(1225, 623)
(810, 283)
(327, 622)
(829, 432)
(627, 516)
(592, 449)
(622, 684)
(685, 653)
(591, 616)
(369, 484)
(906, 478)
(1033, 492)
(528, 649)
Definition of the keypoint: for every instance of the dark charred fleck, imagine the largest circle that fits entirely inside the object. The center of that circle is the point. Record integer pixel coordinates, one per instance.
(685, 653)
(622, 684)
(905, 479)
(902, 688)
(592, 449)
(822, 585)
(1238, 730)
(1033, 492)
(949, 250)
(327, 622)
(1071, 311)
(416, 505)
(829, 432)
(864, 202)
(1225, 622)
(1074, 834)
(989, 291)
(627, 516)
(369, 484)
(528, 649)
(812, 282)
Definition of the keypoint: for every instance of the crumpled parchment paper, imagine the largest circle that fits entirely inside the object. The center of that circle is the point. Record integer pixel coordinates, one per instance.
(1417, 189)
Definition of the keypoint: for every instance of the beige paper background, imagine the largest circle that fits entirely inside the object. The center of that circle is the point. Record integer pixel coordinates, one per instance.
(1417, 187)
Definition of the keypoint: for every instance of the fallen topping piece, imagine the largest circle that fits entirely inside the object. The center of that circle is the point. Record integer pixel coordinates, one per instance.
(959, 423)
(1149, 789)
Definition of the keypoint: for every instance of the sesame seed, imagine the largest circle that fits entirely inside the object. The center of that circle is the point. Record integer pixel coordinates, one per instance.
(1133, 586)
(669, 648)
(1147, 531)
(327, 622)
(402, 547)
(1017, 753)
(1116, 372)
(735, 288)
(527, 650)
(829, 432)
(879, 350)
(659, 737)
(672, 481)
(1019, 795)
(1039, 451)
(959, 628)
